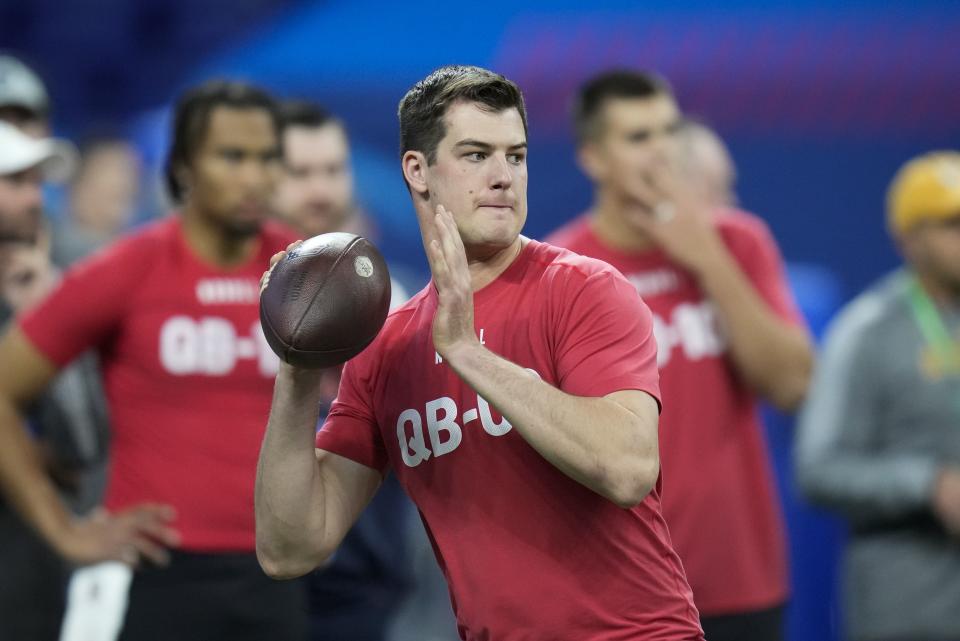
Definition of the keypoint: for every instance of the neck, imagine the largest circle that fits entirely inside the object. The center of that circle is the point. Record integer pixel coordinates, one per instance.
(486, 265)
(940, 292)
(212, 244)
(610, 222)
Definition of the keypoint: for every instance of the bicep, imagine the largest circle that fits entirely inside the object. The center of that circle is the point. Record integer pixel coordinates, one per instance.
(24, 370)
(348, 487)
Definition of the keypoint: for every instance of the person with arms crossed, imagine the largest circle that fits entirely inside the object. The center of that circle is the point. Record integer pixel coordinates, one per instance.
(515, 397)
(877, 438)
(728, 333)
(173, 312)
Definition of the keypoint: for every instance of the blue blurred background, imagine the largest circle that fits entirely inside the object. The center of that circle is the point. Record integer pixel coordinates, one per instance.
(820, 103)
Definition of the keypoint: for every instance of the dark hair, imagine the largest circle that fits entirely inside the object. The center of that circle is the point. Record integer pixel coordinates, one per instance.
(422, 109)
(192, 118)
(619, 83)
(304, 113)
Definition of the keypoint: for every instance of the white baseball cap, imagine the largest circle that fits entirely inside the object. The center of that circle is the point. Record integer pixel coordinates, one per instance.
(19, 152)
(21, 87)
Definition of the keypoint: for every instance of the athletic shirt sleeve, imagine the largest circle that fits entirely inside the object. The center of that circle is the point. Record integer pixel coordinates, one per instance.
(605, 339)
(755, 250)
(351, 427)
(86, 307)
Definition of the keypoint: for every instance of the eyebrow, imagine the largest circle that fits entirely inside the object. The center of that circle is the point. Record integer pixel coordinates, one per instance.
(469, 142)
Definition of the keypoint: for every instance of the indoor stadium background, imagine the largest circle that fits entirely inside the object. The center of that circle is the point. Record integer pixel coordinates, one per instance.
(820, 103)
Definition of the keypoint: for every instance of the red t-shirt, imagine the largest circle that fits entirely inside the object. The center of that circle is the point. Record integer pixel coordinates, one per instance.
(528, 552)
(719, 494)
(187, 373)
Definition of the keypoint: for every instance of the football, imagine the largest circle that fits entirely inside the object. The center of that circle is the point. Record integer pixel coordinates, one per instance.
(326, 300)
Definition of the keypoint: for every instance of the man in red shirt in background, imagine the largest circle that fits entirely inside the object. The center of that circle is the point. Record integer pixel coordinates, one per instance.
(173, 312)
(727, 332)
(515, 398)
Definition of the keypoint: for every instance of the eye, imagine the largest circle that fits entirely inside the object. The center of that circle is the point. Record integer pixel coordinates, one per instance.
(336, 170)
(298, 173)
(476, 156)
(231, 155)
(516, 159)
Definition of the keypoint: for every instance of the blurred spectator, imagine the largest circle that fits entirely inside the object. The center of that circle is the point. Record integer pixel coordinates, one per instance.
(316, 194)
(878, 438)
(24, 163)
(68, 422)
(385, 560)
(23, 98)
(102, 199)
(173, 313)
(707, 164)
(728, 333)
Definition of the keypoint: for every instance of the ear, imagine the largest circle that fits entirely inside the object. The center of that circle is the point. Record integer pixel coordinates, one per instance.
(414, 165)
(591, 162)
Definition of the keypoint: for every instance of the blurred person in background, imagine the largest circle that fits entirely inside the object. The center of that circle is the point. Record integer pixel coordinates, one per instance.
(381, 563)
(24, 101)
(173, 312)
(728, 333)
(102, 198)
(879, 437)
(316, 194)
(706, 164)
(68, 422)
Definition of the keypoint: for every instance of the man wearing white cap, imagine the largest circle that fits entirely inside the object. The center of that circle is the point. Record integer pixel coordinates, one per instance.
(69, 426)
(24, 163)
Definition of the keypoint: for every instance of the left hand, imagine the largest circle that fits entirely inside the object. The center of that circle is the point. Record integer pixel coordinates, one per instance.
(453, 322)
(681, 224)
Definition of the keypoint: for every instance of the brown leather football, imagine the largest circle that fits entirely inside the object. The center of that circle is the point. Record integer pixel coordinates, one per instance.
(326, 300)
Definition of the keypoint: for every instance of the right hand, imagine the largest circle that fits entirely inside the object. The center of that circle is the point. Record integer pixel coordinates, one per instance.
(276, 258)
(946, 499)
(142, 531)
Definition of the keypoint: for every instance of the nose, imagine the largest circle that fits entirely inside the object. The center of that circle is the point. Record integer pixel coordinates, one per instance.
(501, 176)
(318, 186)
(664, 148)
(258, 175)
(33, 196)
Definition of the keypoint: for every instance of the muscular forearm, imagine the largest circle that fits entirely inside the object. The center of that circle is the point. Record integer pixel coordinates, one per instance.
(289, 499)
(595, 441)
(775, 358)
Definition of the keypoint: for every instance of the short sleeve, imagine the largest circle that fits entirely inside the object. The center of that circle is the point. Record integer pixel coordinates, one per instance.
(605, 341)
(86, 307)
(351, 427)
(757, 254)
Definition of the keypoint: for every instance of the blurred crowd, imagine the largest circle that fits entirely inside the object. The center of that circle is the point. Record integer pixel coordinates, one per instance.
(131, 517)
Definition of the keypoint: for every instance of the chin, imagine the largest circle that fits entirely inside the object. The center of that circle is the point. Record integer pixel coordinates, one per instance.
(242, 230)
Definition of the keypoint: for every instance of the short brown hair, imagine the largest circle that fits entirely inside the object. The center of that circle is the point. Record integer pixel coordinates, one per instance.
(421, 111)
(619, 83)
